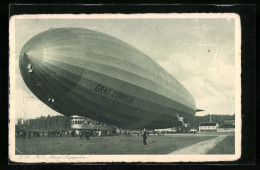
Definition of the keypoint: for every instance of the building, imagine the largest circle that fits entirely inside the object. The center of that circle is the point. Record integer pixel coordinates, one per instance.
(226, 127)
(208, 126)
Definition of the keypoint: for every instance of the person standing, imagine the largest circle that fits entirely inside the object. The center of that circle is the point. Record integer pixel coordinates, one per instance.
(144, 137)
(83, 134)
(87, 134)
(29, 134)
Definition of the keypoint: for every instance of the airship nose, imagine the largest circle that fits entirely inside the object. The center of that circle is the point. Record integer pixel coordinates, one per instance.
(28, 64)
(34, 71)
(47, 66)
(29, 71)
(29, 57)
(31, 53)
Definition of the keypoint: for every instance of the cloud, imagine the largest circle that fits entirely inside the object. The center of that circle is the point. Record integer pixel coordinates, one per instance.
(181, 65)
(222, 76)
(212, 84)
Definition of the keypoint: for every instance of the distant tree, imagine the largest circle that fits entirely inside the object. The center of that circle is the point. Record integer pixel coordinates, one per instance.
(45, 123)
(220, 119)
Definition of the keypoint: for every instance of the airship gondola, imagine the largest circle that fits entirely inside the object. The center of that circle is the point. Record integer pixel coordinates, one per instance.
(91, 74)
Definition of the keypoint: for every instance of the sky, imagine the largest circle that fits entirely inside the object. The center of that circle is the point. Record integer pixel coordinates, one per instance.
(198, 52)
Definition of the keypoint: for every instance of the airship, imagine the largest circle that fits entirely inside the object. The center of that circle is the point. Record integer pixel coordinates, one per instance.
(78, 71)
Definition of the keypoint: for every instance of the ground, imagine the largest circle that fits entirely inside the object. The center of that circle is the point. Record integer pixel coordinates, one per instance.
(199, 148)
(226, 146)
(108, 145)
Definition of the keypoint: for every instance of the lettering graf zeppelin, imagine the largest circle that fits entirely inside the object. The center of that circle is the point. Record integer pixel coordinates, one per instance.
(91, 74)
(113, 94)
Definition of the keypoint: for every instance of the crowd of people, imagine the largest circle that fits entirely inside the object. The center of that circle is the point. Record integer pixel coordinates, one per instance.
(64, 133)
(83, 134)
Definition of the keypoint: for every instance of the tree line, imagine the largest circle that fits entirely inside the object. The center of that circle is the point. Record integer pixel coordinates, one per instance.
(220, 119)
(57, 123)
(49, 123)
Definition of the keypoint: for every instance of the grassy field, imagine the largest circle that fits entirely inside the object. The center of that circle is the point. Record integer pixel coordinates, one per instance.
(105, 145)
(227, 146)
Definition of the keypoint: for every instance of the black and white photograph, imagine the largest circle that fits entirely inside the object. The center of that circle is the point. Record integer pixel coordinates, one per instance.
(125, 88)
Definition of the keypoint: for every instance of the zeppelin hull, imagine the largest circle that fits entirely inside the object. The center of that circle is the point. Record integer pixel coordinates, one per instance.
(83, 72)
